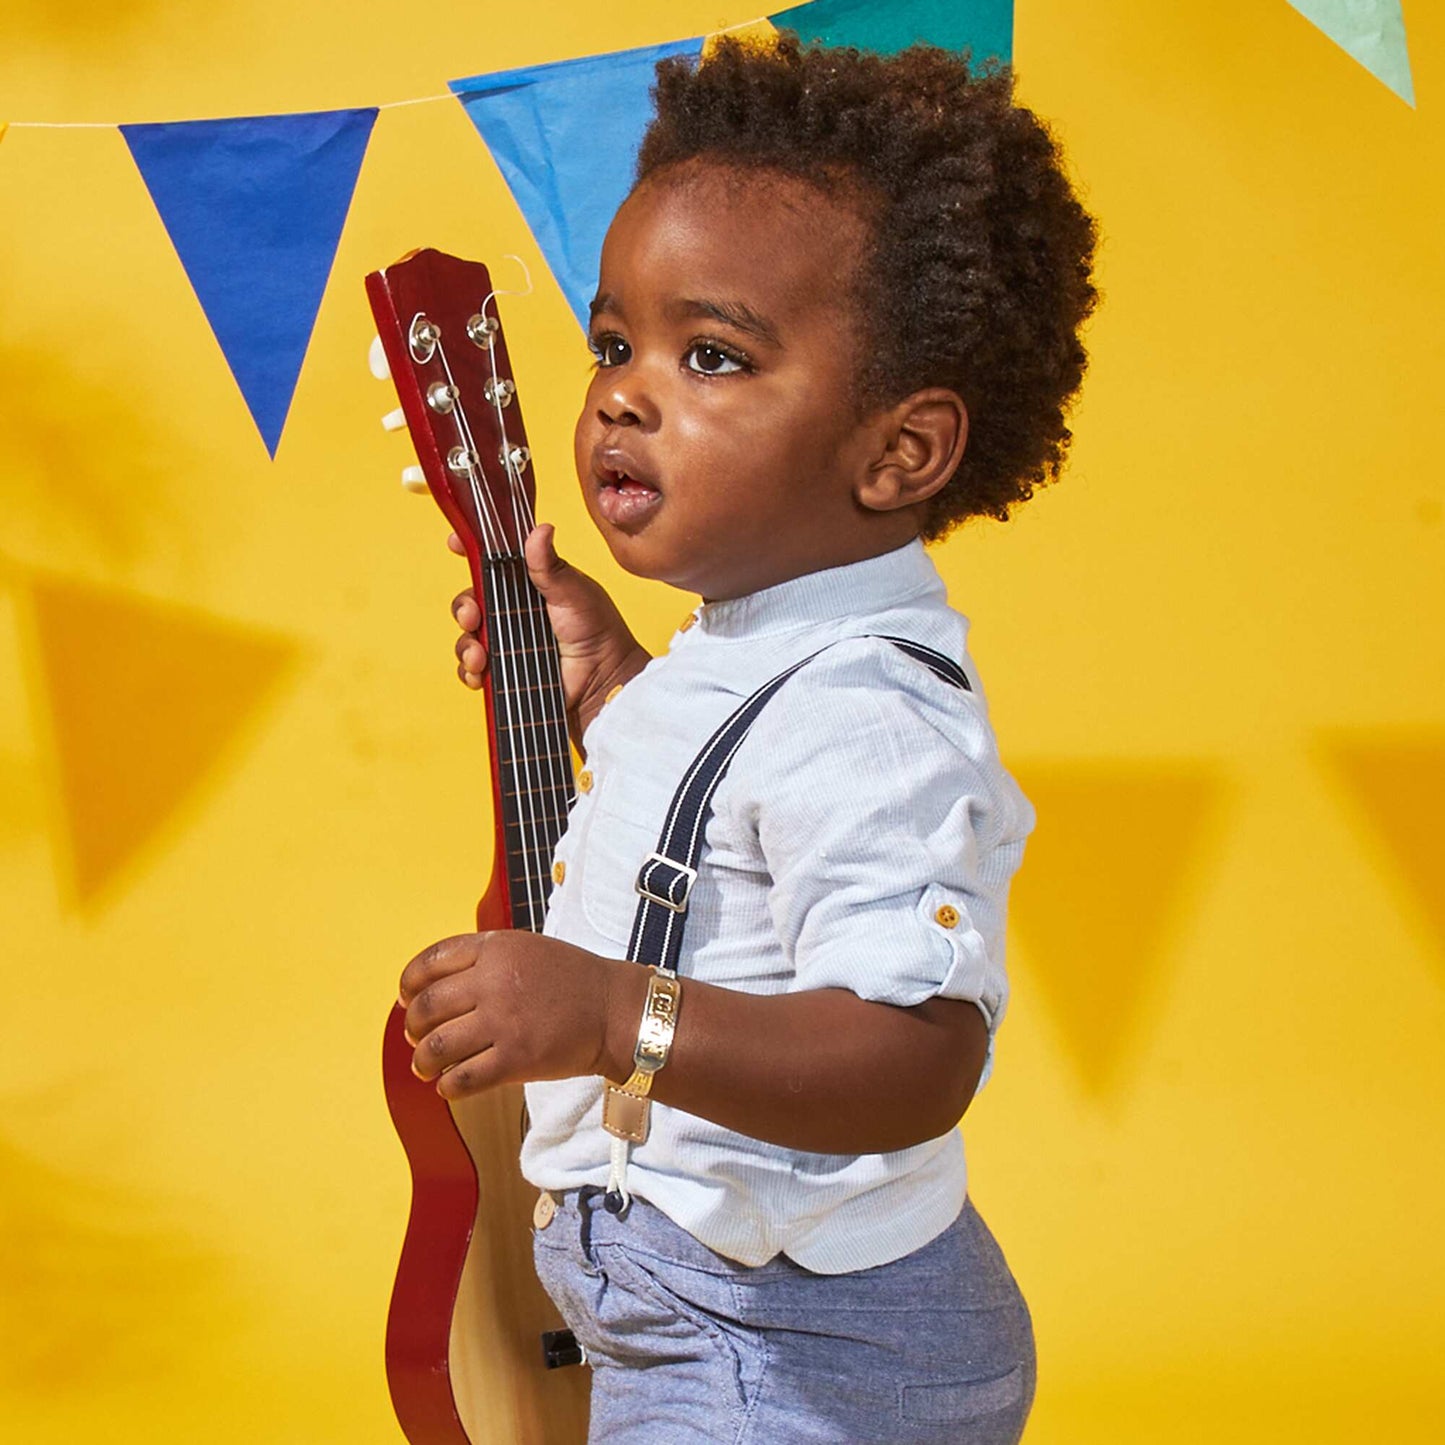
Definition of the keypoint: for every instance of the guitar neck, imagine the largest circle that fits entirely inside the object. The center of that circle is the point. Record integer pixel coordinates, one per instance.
(442, 344)
(527, 723)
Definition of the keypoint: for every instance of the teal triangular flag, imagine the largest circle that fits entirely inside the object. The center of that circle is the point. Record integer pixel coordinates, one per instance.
(888, 26)
(254, 206)
(565, 137)
(1373, 31)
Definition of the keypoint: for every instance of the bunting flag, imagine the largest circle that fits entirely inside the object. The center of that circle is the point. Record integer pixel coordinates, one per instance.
(1099, 941)
(126, 768)
(984, 26)
(565, 137)
(254, 207)
(1372, 31)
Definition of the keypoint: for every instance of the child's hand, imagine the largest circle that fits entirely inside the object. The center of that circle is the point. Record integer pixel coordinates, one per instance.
(598, 650)
(492, 1008)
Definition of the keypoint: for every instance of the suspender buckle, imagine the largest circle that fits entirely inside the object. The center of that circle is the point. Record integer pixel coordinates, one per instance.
(665, 882)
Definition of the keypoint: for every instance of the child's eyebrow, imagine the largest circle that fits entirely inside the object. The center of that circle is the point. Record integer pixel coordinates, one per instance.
(736, 314)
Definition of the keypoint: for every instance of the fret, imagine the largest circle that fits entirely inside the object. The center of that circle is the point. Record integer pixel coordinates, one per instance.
(561, 799)
(511, 725)
(534, 852)
(530, 610)
(531, 763)
(557, 820)
(547, 689)
(542, 845)
(508, 649)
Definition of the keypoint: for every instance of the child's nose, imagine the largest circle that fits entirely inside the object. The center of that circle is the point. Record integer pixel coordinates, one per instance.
(627, 401)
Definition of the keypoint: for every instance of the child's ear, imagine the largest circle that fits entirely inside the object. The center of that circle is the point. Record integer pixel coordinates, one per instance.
(921, 442)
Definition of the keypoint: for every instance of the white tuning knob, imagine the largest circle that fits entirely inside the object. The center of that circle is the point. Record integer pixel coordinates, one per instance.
(394, 420)
(413, 479)
(376, 360)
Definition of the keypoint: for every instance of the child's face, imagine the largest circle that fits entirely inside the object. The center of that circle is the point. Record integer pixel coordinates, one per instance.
(720, 441)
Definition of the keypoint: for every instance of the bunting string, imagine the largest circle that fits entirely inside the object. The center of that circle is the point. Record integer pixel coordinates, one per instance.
(255, 206)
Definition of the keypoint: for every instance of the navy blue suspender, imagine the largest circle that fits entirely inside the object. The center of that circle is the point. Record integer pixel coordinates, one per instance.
(665, 881)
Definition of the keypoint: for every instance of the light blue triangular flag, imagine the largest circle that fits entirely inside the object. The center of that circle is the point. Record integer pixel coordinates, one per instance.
(254, 206)
(565, 137)
(1373, 31)
(888, 26)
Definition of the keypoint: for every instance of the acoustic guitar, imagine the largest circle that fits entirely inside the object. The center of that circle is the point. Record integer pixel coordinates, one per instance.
(466, 1359)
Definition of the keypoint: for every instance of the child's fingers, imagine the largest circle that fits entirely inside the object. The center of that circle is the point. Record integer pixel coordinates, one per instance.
(466, 611)
(449, 956)
(454, 544)
(482, 1070)
(471, 660)
(437, 1004)
(446, 1047)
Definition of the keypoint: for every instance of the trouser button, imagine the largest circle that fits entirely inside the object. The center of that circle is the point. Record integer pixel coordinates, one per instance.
(544, 1210)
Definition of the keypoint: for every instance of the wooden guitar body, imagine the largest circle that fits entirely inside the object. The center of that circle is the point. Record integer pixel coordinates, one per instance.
(464, 1355)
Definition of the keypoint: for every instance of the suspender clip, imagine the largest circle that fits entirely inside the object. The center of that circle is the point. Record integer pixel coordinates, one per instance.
(665, 882)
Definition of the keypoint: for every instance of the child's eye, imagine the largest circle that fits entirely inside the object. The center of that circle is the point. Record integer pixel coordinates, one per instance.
(710, 359)
(610, 349)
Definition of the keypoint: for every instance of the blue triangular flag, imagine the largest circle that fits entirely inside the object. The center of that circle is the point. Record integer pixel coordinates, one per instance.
(565, 137)
(984, 26)
(254, 207)
(1373, 31)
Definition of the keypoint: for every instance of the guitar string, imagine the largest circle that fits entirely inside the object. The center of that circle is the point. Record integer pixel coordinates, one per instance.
(526, 521)
(545, 638)
(504, 659)
(537, 838)
(502, 587)
(558, 760)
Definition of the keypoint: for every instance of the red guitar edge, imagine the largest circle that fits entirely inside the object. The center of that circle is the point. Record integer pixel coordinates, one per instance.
(446, 1188)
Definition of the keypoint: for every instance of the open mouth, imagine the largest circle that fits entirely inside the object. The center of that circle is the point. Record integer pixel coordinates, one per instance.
(623, 498)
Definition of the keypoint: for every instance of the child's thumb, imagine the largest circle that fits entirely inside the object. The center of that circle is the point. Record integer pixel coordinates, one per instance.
(546, 569)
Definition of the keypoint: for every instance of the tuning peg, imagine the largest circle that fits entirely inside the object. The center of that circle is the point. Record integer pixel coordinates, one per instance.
(376, 360)
(413, 479)
(394, 420)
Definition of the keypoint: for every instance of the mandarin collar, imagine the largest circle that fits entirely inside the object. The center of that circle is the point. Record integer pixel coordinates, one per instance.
(855, 590)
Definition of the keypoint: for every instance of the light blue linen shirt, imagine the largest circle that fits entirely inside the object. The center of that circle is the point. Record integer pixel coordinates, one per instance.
(868, 797)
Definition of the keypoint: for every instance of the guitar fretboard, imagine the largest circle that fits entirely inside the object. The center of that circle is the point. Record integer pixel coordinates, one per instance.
(534, 754)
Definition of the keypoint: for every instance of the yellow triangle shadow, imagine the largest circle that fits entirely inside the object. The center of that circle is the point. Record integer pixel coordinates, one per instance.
(145, 702)
(1398, 782)
(1097, 902)
(100, 1289)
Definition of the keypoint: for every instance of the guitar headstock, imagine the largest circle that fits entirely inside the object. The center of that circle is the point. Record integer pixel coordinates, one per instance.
(437, 323)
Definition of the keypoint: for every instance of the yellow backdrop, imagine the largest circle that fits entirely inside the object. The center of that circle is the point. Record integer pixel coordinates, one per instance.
(240, 785)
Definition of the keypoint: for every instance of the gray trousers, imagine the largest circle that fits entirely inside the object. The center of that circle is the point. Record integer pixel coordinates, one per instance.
(687, 1346)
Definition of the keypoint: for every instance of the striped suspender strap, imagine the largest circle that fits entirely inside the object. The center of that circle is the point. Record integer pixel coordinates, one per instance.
(665, 881)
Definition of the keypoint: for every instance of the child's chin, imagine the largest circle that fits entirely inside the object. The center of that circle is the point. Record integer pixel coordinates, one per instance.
(633, 555)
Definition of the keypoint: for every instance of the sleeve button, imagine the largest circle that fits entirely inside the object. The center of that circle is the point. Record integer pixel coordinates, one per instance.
(947, 916)
(584, 781)
(559, 872)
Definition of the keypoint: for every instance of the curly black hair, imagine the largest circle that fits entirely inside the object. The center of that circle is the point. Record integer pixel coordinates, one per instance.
(978, 273)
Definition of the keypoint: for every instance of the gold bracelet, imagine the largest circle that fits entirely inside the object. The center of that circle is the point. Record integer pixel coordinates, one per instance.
(626, 1107)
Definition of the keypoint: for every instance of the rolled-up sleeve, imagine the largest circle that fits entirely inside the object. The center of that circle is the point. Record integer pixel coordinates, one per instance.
(890, 831)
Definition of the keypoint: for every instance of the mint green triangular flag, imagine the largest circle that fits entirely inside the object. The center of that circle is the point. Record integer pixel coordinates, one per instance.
(1373, 31)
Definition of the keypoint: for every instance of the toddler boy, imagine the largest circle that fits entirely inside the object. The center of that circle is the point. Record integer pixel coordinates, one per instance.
(837, 315)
